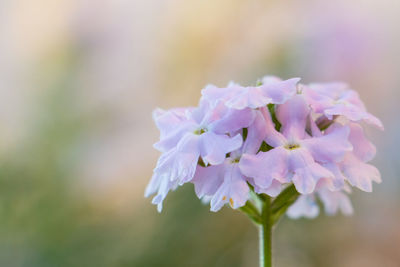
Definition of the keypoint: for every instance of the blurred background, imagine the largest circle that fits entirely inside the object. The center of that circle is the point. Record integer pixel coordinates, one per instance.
(80, 78)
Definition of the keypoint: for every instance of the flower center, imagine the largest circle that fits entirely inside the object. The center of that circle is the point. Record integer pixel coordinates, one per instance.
(299, 89)
(292, 146)
(200, 131)
(340, 102)
(235, 160)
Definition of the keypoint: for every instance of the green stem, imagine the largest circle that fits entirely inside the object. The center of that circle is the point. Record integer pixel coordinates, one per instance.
(271, 212)
(251, 211)
(266, 234)
(285, 199)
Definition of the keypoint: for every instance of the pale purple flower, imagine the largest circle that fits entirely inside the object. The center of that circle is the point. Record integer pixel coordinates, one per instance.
(296, 157)
(190, 134)
(354, 168)
(273, 90)
(333, 99)
(230, 141)
(305, 206)
(225, 183)
(333, 202)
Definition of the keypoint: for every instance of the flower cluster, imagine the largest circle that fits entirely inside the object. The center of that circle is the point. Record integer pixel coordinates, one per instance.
(263, 138)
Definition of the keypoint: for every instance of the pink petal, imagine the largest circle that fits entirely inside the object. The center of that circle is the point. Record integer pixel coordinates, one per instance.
(317, 101)
(214, 147)
(207, 180)
(273, 137)
(279, 91)
(272, 91)
(164, 187)
(172, 138)
(350, 111)
(265, 166)
(306, 171)
(183, 162)
(256, 133)
(335, 201)
(248, 97)
(371, 119)
(330, 147)
(315, 131)
(234, 190)
(173, 124)
(273, 190)
(362, 147)
(305, 206)
(233, 120)
(214, 94)
(270, 79)
(337, 182)
(163, 179)
(332, 90)
(359, 174)
(292, 115)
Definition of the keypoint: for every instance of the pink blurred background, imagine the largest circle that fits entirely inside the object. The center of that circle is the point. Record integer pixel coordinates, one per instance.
(78, 83)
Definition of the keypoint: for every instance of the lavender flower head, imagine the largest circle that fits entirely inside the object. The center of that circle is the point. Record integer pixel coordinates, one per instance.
(244, 141)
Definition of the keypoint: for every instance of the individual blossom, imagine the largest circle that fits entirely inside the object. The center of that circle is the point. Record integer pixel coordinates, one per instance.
(332, 201)
(188, 135)
(354, 167)
(271, 91)
(353, 170)
(295, 156)
(336, 99)
(225, 183)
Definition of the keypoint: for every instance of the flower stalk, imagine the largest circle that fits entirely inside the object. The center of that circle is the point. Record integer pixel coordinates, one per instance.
(266, 216)
(265, 234)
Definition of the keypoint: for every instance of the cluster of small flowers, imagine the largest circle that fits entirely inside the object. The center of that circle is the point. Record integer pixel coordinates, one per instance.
(264, 138)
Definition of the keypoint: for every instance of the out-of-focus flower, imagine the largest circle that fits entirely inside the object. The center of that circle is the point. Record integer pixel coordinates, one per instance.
(333, 201)
(334, 99)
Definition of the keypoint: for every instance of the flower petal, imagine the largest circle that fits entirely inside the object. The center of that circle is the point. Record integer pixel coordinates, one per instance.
(305, 206)
(358, 173)
(248, 97)
(335, 201)
(337, 182)
(207, 180)
(279, 91)
(362, 147)
(330, 147)
(164, 187)
(265, 166)
(293, 115)
(233, 120)
(371, 119)
(306, 171)
(214, 94)
(256, 133)
(214, 147)
(180, 163)
(234, 190)
(173, 125)
(273, 137)
(273, 190)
